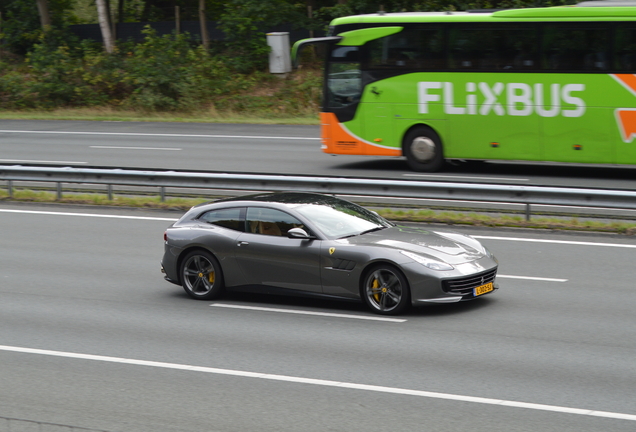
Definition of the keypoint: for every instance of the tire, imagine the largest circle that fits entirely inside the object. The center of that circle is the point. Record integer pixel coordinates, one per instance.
(201, 275)
(385, 290)
(423, 150)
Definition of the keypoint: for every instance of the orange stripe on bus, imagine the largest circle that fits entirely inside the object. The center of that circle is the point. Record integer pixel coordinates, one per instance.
(337, 140)
(628, 79)
(627, 119)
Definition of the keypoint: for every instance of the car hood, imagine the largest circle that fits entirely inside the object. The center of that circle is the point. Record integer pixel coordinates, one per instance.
(447, 246)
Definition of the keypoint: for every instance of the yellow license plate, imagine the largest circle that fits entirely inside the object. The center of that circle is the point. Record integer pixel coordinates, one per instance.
(483, 289)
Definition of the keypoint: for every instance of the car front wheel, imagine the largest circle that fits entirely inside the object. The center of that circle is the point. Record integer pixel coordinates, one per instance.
(385, 290)
(201, 275)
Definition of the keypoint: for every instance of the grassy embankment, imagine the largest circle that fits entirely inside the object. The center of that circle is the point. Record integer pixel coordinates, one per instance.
(110, 114)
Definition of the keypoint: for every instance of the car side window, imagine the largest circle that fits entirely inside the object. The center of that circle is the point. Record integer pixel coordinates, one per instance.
(227, 218)
(261, 220)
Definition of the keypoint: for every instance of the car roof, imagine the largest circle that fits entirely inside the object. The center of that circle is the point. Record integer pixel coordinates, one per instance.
(289, 199)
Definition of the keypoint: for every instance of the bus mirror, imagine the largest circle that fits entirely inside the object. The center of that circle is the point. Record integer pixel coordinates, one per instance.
(298, 45)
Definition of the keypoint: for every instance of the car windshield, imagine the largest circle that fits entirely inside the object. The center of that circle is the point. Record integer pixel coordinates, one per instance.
(339, 219)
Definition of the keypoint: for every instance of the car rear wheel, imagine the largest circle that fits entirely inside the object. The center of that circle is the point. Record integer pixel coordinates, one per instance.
(201, 275)
(385, 290)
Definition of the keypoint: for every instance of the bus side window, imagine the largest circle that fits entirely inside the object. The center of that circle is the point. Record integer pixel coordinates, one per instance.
(575, 47)
(625, 48)
(413, 49)
(462, 49)
(503, 47)
(519, 48)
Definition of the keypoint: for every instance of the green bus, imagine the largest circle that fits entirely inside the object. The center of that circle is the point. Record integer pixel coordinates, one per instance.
(541, 84)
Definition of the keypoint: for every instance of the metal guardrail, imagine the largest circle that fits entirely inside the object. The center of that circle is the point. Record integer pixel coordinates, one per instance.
(528, 195)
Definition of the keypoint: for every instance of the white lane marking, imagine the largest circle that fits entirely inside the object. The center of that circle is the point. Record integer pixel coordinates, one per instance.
(326, 383)
(567, 242)
(88, 215)
(137, 148)
(159, 135)
(531, 278)
(41, 161)
(464, 177)
(291, 311)
(618, 245)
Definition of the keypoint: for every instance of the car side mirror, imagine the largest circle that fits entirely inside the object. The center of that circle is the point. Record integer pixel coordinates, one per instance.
(299, 233)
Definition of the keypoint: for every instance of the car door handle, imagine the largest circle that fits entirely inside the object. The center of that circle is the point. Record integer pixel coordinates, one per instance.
(241, 243)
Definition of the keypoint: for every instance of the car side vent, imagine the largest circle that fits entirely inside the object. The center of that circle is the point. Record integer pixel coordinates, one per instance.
(341, 264)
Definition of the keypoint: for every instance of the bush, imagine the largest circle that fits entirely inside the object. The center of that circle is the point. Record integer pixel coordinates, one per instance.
(162, 73)
(167, 73)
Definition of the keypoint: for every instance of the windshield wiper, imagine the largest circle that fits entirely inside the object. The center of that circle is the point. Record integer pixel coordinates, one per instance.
(347, 236)
(372, 229)
(363, 232)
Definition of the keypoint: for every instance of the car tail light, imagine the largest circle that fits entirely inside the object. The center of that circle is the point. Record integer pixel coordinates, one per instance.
(165, 236)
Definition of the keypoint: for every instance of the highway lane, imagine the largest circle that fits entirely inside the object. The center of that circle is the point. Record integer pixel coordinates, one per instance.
(91, 285)
(251, 148)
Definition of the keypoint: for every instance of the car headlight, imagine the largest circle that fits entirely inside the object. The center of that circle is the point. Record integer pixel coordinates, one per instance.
(428, 262)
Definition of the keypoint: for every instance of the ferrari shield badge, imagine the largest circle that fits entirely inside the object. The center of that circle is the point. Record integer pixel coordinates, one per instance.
(332, 250)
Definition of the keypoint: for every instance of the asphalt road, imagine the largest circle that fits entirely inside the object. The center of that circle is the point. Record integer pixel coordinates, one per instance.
(559, 333)
(253, 148)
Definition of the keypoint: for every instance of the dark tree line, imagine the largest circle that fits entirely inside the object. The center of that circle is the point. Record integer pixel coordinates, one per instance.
(24, 21)
(26, 24)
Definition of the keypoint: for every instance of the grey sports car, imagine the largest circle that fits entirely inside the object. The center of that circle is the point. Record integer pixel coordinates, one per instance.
(319, 245)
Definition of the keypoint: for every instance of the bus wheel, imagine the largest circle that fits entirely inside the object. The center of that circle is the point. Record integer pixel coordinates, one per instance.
(423, 150)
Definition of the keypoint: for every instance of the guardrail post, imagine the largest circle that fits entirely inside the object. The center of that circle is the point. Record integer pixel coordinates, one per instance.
(162, 192)
(527, 211)
(59, 191)
(110, 192)
(10, 188)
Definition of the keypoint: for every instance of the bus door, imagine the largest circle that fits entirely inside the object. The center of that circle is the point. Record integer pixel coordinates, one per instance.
(378, 125)
(342, 95)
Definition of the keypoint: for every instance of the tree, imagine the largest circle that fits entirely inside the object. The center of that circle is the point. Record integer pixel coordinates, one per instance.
(45, 17)
(205, 39)
(104, 25)
(24, 21)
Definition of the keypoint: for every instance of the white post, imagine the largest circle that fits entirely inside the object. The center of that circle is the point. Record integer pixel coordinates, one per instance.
(280, 55)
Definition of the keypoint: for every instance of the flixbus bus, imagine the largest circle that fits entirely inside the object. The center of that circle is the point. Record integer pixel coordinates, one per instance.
(542, 84)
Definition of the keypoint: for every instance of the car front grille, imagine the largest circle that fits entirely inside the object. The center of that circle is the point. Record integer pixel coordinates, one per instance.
(464, 286)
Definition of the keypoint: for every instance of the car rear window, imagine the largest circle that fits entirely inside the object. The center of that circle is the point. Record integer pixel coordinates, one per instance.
(227, 218)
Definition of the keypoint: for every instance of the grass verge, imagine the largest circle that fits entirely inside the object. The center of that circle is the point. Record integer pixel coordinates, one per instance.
(512, 221)
(109, 114)
(415, 215)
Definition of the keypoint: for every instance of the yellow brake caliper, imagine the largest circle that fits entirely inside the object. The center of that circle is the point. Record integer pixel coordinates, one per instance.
(211, 277)
(376, 285)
